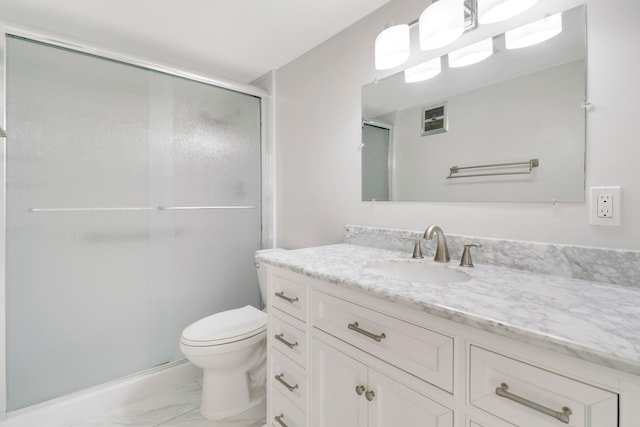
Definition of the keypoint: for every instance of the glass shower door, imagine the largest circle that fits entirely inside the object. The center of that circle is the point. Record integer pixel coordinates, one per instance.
(205, 166)
(132, 210)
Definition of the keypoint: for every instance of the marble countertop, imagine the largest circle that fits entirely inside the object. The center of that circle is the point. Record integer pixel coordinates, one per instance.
(588, 320)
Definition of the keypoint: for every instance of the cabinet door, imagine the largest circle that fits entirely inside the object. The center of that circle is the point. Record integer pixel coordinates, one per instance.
(397, 405)
(335, 378)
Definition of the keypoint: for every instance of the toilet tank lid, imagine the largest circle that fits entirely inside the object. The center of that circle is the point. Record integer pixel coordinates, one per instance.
(226, 324)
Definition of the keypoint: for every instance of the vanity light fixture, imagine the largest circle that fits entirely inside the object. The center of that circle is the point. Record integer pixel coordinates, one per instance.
(441, 23)
(392, 47)
(471, 54)
(423, 71)
(534, 33)
(490, 11)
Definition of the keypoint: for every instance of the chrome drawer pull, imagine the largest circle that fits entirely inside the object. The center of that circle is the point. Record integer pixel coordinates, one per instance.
(280, 338)
(286, 298)
(279, 418)
(354, 327)
(286, 384)
(561, 416)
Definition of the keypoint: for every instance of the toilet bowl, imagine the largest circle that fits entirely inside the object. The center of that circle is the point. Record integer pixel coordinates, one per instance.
(227, 346)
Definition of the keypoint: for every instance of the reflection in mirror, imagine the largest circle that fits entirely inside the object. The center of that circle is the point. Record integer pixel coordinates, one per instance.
(523, 106)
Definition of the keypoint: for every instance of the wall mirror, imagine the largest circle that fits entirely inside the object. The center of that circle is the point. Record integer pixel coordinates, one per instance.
(510, 128)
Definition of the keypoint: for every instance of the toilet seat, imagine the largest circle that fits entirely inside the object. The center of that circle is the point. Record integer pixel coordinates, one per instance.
(225, 327)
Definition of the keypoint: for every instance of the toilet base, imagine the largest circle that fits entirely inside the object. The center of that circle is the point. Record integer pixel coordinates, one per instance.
(214, 411)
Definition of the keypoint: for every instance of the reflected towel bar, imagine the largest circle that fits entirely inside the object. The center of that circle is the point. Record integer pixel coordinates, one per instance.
(195, 208)
(533, 163)
(159, 208)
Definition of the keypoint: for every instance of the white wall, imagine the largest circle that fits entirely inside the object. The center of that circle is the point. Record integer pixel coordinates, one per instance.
(318, 137)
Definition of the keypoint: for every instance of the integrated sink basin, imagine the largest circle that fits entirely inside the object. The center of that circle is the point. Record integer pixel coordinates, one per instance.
(421, 272)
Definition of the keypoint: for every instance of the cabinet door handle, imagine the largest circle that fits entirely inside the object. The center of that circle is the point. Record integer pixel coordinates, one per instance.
(370, 395)
(286, 298)
(355, 327)
(279, 418)
(286, 384)
(280, 337)
(561, 416)
(360, 389)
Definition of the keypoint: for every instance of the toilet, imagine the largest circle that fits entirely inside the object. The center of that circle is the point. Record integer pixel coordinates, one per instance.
(230, 347)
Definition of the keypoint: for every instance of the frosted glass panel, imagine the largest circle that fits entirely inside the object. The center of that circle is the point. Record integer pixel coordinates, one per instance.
(207, 154)
(375, 162)
(93, 296)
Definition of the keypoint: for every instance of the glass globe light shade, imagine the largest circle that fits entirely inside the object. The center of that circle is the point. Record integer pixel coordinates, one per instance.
(471, 54)
(392, 47)
(423, 71)
(490, 11)
(534, 33)
(441, 23)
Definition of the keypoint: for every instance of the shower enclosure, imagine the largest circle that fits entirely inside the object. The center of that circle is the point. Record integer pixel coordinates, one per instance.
(132, 209)
(377, 161)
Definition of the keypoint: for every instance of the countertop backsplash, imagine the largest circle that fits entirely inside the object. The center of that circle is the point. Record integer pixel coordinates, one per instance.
(613, 266)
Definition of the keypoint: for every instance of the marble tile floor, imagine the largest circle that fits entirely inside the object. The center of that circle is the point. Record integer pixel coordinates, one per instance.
(179, 408)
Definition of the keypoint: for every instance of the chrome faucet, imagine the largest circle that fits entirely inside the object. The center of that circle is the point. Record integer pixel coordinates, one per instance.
(442, 252)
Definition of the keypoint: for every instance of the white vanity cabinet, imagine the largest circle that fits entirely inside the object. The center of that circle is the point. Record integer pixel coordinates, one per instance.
(339, 357)
(347, 392)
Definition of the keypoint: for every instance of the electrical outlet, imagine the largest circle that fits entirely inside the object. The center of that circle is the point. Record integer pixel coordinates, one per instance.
(604, 207)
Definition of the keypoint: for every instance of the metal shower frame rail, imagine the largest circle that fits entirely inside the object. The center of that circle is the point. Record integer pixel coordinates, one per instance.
(128, 209)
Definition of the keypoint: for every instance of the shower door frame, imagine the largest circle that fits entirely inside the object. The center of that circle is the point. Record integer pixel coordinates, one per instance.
(267, 160)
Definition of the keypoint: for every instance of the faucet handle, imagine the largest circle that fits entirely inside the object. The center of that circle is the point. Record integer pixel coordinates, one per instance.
(466, 260)
(417, 248)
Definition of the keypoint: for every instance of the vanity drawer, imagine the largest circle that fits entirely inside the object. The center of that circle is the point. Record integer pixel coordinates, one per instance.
(290, 340)
(284, 413)
(289, 379)
(419, 351)
(526, 395)
(289, 294)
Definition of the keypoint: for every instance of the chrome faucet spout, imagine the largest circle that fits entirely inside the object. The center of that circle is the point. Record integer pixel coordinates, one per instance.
(442, 252)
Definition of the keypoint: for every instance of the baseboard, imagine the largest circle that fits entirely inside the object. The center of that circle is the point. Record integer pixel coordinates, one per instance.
(70, 409)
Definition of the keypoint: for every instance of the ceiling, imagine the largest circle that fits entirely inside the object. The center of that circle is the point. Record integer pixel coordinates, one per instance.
(233, 39)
